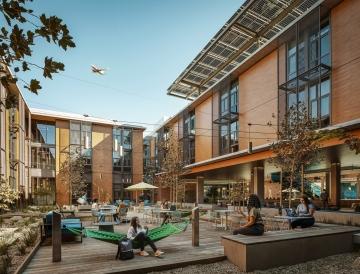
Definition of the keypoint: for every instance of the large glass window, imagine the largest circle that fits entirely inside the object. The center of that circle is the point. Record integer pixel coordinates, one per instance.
(228, 119)
(122, 149)
(350, 184)
(43, 191)
(81, 140)
(43, 133)
(43, 157)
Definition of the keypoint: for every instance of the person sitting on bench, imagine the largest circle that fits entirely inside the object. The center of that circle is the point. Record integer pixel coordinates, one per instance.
(139, 234)
(304, 209)
(165, 205)
(254, 225)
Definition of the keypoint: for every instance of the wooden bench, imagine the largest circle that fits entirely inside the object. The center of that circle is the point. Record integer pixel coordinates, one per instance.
(277, 248)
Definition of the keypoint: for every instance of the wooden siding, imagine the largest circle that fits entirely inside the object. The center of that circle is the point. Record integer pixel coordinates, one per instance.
(258, 92)
(102, 162)
(203, 131)
(345, 26)
(62, 148)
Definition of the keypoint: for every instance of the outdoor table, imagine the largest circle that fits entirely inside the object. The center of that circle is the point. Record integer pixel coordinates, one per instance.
(291, 218)
(226, 213)
(67, 211)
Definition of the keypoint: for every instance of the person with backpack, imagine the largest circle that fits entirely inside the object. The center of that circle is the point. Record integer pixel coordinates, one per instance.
(139, 234)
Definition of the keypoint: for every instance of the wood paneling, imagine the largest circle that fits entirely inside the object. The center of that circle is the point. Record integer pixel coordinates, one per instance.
(62, 150)
(203, 135)
(102, 163)
(345, 26)
(258, 101)
(137, 155)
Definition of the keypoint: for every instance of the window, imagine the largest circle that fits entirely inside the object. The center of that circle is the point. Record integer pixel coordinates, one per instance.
(224, 103)
(234, 98)
(228, 119)
(224, 139)
(122, 149)
(81, 140)
(291, 66)
(350, 184)
(325, 44)
(43, 158)
(43, 133)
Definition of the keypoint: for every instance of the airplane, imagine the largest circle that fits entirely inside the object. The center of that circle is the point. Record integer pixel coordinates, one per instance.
(100, 71)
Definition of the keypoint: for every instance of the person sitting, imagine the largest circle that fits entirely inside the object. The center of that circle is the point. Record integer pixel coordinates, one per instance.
(137, 233)
(165, 206)
(304, 209)
(254, 225)
(116, 215)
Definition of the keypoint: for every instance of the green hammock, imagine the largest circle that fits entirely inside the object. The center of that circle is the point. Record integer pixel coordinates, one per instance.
(155, 234)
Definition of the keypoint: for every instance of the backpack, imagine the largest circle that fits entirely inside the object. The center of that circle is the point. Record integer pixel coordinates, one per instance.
(125, 250)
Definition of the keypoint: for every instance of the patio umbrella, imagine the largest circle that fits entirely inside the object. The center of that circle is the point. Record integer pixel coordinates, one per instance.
(140, 186)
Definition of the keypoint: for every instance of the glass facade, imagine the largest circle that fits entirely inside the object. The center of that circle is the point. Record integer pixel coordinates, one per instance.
(228, 120)
(43, 133)
(81, 140)
(308, 68)
(43, 191)
(122, 160)
(189, 138)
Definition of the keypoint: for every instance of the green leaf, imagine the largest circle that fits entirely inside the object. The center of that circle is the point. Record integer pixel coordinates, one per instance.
(34, 86)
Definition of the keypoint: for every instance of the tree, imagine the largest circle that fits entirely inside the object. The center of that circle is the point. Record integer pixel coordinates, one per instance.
(8, 196)
(18, 37)
(298, 145)
(73, 175)
(171, 165)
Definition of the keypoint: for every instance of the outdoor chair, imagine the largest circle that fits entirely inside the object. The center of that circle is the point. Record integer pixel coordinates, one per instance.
(214, 218)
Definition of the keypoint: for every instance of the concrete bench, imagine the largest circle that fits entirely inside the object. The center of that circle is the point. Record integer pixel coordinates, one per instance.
(277, 248)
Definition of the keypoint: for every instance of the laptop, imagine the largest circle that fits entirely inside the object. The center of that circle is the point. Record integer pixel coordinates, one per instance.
(290, 212)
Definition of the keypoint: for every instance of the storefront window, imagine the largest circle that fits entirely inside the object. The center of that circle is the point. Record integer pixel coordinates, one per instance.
(350, 185)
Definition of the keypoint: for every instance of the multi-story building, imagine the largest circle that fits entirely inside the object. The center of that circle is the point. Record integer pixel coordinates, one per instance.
(266, 58)
(36, 144)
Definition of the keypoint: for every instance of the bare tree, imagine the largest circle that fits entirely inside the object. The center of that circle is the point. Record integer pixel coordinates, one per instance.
(298, 146)
(171, 165)
(73, 175)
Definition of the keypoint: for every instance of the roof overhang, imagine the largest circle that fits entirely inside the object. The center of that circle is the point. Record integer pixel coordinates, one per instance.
(251, 28)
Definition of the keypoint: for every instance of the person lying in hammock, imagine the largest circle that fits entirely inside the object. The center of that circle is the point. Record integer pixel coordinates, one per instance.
(139, 234)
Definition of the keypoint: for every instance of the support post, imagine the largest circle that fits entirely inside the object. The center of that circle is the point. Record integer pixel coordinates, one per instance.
(56, 236)
(195, 226)
(259, 183)
(335, 184)
(200, 190)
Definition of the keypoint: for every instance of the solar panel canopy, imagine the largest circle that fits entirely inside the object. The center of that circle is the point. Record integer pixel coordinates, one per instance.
(250, 28)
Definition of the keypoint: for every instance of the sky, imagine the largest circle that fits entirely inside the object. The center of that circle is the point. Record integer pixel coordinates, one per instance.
(144, 44)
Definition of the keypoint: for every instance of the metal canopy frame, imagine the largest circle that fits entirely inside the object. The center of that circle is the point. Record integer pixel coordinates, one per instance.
(313, 74)
(252, 26)
(227, 118)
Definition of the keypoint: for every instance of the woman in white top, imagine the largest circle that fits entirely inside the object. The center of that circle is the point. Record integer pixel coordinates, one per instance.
(304, 209)
(137, 233)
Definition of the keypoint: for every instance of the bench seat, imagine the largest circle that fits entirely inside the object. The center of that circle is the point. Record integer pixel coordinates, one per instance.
(277, 248)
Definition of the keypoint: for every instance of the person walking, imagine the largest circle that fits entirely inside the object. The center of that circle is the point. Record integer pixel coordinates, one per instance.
(324, 196)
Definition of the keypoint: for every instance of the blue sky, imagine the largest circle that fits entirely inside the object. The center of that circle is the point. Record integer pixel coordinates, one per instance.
(145, 44)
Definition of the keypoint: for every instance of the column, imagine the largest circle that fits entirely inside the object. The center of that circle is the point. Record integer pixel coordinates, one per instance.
(200, 190)
(258, 182)
(334, 193)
